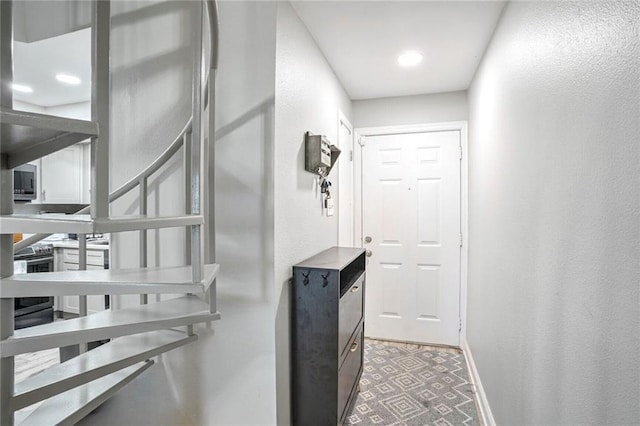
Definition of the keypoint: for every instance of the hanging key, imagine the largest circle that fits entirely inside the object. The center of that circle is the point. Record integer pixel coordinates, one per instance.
(324, 186)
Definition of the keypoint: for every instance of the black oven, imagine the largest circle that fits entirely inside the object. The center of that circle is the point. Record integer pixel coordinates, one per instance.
(30, 311)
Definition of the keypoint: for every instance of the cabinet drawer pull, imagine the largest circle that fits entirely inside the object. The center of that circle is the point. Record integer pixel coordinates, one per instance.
(355, 289)
(354, 347)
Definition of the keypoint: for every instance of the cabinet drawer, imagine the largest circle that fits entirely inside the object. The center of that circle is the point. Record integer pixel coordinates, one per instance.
(75, 267)
(95, 303)
(350, 315)
(349, 373)
(94, 257)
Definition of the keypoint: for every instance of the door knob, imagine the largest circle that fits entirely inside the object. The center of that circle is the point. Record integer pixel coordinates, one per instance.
(367, 239)
(368, 253)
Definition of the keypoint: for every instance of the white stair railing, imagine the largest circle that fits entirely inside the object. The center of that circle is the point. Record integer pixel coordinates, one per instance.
(6, 208)
(179, 142)
(198, 152)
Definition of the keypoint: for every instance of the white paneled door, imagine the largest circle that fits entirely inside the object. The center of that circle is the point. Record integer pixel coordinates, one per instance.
(411, 229)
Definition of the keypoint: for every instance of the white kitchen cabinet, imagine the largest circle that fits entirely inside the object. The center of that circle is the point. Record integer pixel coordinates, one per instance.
(71, 258)
(63, 178)
(67, 259)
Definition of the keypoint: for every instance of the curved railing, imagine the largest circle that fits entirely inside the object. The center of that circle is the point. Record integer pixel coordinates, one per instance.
(214, 26)
(179, 142)
(139, 179)
(182, 140)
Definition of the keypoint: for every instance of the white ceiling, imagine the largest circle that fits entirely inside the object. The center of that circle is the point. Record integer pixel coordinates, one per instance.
(36, 65)
(362, 40)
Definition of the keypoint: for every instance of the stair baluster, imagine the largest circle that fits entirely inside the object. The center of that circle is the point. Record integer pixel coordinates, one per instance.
(6, 208)
(144, 298)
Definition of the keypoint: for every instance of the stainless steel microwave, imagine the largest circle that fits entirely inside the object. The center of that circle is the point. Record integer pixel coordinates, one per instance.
(25, 182)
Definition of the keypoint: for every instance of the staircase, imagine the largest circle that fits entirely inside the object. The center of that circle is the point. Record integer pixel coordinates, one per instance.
(69, 391)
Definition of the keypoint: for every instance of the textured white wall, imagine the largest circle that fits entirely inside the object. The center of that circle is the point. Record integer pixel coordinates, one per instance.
(227, 377)
(308, 95)
(396, 111)
(553, 315)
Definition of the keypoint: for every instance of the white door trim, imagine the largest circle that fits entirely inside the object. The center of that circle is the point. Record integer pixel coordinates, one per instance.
(344, 192)
(460, 126)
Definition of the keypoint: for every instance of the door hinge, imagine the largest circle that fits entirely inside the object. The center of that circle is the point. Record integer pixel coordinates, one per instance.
(350, 155)
(461, 239)
(461, 152)
(459, 325)
(361, 141)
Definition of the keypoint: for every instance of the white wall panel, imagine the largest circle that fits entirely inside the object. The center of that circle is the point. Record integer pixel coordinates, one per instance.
(428, 291)
(429, 211)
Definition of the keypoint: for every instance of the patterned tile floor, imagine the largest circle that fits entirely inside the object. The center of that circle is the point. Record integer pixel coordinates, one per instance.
(413, 385)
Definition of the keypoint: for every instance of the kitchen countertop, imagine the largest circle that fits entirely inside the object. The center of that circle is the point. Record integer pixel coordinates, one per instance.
(74, 245)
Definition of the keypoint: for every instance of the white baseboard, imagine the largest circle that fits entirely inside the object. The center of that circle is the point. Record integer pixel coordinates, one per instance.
(483, 403)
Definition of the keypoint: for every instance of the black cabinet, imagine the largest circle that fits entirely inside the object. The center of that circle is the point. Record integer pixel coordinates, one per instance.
(327, 335)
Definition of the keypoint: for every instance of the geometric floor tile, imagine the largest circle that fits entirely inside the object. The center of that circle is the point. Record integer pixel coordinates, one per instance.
(413, 385)
(402, 406)
(406, 381)
(410, 362)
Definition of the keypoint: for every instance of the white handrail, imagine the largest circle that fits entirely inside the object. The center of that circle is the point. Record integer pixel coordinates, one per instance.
(214, 26)
(153, 167)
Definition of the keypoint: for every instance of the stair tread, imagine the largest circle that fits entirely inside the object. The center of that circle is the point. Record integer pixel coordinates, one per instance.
(109, 324)
(106, 359)
(71, 406)
(84, 224)
(27, 136)
(107, 281)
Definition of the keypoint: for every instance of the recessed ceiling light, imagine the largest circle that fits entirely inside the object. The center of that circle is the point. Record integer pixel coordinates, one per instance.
(68, 79)
(22, 88)
(410, 58)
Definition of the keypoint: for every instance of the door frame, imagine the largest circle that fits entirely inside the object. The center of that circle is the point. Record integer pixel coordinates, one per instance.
(362, 133)
(345, 192)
